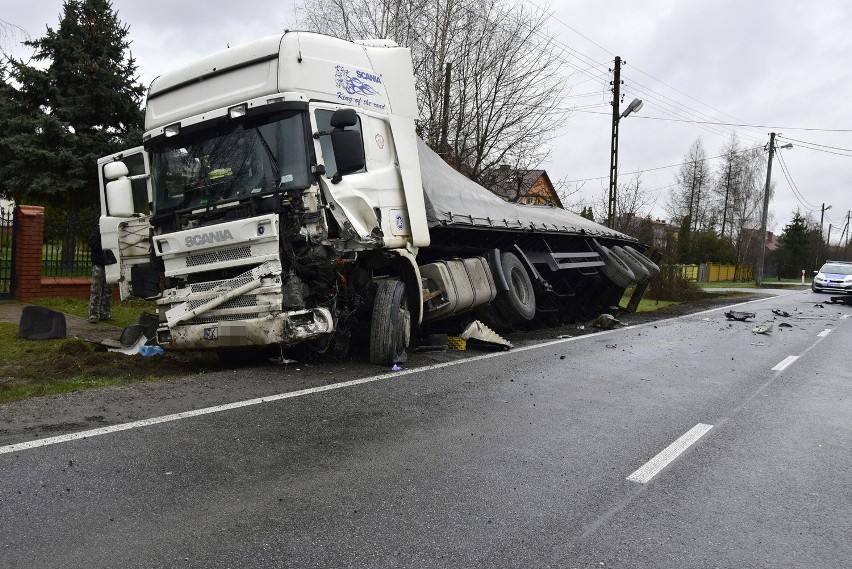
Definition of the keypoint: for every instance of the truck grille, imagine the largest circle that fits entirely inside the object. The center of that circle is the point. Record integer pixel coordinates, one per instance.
(212, 257)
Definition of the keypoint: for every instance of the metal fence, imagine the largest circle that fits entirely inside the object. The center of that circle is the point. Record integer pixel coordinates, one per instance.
(7, 251)
(65, 252)
(713, 272)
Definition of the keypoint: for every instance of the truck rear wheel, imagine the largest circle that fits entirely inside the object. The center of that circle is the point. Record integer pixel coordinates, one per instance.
(518, 303)
(390, 330)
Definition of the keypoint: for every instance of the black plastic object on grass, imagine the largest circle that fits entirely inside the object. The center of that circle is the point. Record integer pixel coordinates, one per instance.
(41, 323)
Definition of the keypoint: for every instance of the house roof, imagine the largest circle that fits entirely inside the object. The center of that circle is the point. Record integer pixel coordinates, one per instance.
(514, 184)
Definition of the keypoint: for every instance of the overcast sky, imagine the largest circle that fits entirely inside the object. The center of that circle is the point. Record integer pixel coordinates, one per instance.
(777, 66)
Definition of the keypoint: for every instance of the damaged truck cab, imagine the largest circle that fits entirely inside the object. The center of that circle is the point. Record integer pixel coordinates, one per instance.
(282, 196)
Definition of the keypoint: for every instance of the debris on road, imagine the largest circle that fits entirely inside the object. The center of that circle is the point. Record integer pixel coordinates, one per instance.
(739, 316)
(433, 343)
(763, 329)
(611, 345)
(783, 313)
(606, 322)
(785, 325)
(478, 334)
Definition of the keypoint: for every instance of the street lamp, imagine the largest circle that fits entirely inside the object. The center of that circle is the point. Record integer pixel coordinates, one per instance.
(761, 249)
(634, 106)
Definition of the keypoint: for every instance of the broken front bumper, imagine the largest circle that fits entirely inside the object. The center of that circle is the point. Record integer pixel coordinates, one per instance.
(284, 329)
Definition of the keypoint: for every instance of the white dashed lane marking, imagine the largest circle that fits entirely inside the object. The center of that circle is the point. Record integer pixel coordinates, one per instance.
(651, 468)
(785, 363)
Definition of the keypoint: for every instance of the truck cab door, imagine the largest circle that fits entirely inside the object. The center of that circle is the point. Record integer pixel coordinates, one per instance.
(355, 204)
(126, 193)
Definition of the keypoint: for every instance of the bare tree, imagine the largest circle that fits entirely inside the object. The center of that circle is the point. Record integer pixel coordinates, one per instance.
(747, 203)
(506, 72)
(633, 208)
(688, 202)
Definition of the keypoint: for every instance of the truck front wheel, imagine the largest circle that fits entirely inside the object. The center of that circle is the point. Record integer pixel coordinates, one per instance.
(390, 330)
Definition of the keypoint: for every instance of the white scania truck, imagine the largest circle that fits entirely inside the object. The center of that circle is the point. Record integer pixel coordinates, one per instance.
(282, 196)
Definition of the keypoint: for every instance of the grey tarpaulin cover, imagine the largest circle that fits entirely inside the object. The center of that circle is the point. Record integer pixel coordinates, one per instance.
(453, 199)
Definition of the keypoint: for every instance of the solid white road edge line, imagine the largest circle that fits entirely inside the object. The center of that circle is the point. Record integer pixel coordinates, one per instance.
(651, 468)
(785, 363)
(247, 403)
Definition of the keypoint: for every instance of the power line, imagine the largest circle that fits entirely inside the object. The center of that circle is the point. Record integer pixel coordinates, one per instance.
(796, 192)
(661, 167)
(821, 148)
(771, 127)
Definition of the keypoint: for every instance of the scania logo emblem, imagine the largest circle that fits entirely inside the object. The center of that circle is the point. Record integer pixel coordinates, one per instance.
(210, 237)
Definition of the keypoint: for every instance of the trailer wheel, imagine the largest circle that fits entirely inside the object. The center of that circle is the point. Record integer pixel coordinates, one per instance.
(650, 266)
(639, 270)
(615, 269)
(390, 331)
(518, 303)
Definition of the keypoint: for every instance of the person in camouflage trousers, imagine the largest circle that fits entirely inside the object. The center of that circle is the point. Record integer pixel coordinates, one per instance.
(100, 295)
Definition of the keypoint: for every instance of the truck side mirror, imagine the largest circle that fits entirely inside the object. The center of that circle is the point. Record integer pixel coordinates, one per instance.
(119, 190)
(346, 144)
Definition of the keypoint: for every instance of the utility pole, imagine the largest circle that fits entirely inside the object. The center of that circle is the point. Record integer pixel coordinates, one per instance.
(613, 155)
(828, 239)
(846, 246)
(761, 247)
(819, 245)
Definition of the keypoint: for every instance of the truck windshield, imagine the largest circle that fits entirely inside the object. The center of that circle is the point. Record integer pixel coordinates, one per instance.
(229, 162)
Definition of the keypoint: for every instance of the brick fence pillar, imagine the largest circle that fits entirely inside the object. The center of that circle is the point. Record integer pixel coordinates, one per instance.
(29, 238)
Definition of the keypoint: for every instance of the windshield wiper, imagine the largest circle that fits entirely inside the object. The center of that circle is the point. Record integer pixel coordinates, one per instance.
(272, 159)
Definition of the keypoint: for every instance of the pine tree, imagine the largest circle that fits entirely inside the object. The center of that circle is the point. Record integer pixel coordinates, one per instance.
(795, 246)
(83, 104)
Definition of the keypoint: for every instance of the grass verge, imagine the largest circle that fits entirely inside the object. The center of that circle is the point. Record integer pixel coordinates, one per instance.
(45, 367)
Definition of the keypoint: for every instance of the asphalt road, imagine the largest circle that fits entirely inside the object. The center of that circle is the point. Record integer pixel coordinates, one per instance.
(535, 457)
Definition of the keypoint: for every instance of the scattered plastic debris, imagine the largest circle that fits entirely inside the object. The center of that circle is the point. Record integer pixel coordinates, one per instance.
(612, 345)
(762, 344)
(396, 367)
(783, 313)
(818, 305)
(151, 350)
(785, 325)
(133, 349)
(763, 329)
(478, 334)
(564, 336)
(281, 360)
(456, 343)
(740, 316)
